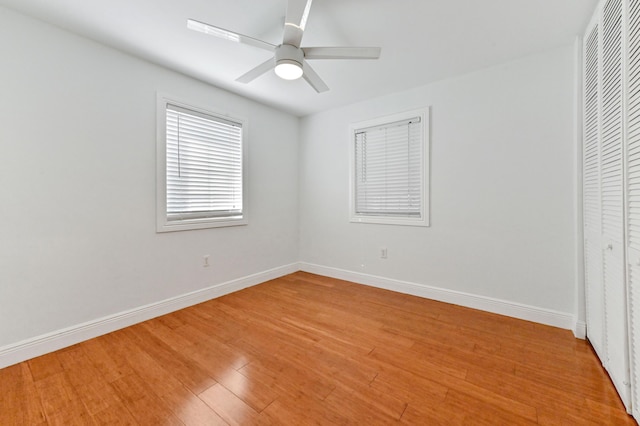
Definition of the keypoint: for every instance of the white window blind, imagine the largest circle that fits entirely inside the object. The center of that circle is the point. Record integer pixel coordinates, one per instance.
(388, 169)
(202, 169)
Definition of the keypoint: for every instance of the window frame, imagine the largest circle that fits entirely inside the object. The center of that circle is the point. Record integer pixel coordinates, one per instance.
(162, 222)
(423, 219)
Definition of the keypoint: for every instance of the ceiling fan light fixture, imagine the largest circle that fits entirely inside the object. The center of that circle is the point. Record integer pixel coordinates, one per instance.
(289, 59)
(288, 69)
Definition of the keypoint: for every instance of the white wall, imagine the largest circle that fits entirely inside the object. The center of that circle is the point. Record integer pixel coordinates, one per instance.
(77, 185)
(502, 187)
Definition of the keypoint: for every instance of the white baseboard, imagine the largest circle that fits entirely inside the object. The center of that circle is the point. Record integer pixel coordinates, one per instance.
(40, 345)
(483, 303)
(580, 329)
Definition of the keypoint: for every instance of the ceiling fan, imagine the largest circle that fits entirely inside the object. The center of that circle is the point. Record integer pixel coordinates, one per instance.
(290, 60)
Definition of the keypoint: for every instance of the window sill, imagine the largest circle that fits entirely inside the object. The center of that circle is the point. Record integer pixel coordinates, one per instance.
(389, 220)
(188, 225)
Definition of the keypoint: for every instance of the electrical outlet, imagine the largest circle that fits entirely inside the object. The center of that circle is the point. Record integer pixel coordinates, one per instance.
(383, 253)
(205, 261)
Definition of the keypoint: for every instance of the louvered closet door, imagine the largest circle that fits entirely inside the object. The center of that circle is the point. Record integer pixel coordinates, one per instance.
(594, 285)
(633, 193)
(616, 339)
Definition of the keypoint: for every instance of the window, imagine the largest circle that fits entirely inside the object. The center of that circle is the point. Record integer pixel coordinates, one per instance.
(200, 168)
(389, 169)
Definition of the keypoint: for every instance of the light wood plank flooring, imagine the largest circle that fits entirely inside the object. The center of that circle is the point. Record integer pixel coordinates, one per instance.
(305, 349)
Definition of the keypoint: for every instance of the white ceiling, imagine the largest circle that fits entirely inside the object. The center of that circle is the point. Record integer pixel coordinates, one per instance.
(422, 40)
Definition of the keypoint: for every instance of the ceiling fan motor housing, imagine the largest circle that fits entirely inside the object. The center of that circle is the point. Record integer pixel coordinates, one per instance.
(288, 54)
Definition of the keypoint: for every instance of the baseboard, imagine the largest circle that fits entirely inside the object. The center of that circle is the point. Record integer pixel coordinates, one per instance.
(580, 329)
(488, 304)
(40, 345)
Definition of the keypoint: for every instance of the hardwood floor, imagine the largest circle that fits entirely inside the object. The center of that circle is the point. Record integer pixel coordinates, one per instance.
(305, 349)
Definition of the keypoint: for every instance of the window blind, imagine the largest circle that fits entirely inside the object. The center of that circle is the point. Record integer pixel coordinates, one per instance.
(204, 165)
(388, 169)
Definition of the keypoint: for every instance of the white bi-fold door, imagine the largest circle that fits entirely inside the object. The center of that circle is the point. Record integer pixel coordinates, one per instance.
(606, 195)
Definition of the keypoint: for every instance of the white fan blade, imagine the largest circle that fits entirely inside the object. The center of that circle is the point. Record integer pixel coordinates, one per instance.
(296, 20)
(228, 35)
(341, 52)
(313, 79)
(257, 71)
